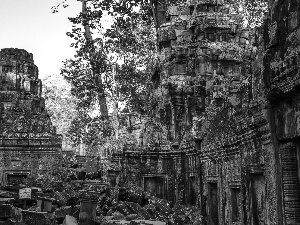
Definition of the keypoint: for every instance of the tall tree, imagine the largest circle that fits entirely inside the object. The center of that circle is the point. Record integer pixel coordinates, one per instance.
(111, 65)
(128, 45)
(96, 59)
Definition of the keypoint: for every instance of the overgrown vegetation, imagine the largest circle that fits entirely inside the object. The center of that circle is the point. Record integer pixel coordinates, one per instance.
(110, 73)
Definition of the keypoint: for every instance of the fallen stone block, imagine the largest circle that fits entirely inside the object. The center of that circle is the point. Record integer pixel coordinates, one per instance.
(70, 220)
(122, 208)
(38, 218)
(100, 219)
(162, 206)
(118, 216)
(176, 220)
(179, 209)
(150, 208)
(131, 217)
(135, 195)
(139, 210)
(60, 198)
(160, 216)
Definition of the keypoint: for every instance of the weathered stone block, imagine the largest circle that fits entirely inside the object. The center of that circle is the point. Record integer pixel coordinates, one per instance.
(160, 216)
(8, 211)
(118, 216)
(176, 220)
(62, 212)
(151, 209)
(70, 220)
(87, 213)
(122, 208)
(135, 195)
(139, 210)
(162, 206)
(131, 217)
(38, 218)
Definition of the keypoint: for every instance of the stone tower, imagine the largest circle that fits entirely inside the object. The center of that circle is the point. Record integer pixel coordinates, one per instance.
(28, 140)
(204, 56)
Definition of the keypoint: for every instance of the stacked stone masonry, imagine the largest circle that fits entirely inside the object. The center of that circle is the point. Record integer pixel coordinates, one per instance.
(29, 144)
(229, 99)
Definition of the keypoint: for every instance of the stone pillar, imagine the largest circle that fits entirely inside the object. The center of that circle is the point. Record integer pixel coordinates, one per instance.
(178, 106)
(88, 204)
(113, 177)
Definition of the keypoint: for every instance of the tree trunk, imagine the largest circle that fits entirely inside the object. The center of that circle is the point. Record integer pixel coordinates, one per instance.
(96, 71)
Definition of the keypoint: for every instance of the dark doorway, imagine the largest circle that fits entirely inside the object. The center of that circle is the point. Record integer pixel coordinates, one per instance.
(16, 180)
(213, 204)
(155, 186)
(257, 194)
(193, 190)
(235, 205)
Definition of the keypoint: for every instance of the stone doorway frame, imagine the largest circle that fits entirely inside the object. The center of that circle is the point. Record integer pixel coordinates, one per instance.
(13, 172)
(153, 175)
(211, 185)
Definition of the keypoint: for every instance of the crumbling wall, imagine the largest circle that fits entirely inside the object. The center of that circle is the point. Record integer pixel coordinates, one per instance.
(230, 96)
(28, 140)
(211, 78)
(281, 81)
(162, 173)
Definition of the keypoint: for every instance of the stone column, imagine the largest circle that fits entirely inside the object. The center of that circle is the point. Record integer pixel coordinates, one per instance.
(178, 104)
(88, 204)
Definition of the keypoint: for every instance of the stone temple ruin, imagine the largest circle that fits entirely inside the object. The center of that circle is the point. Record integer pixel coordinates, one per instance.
(29, 145)
(228, 98)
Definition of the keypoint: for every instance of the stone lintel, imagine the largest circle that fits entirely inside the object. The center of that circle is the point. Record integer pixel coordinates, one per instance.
(49, 148)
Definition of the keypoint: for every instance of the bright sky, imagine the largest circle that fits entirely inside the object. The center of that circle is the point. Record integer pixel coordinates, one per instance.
(31, 25)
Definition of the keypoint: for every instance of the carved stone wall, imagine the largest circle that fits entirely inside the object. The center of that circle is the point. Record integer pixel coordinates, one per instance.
(28, 140)
(161, 173)
(282, 79)
(229, 98)
(210, 76)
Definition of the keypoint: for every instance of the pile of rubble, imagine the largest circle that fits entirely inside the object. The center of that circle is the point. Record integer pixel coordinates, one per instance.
(133, 203)
(79, 202)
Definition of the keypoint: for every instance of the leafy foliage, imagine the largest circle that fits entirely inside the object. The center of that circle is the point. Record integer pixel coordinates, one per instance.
(111, 64)
(60, 104)
(128, 45)
(89, 130)
(114, 63)
(252, 11)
